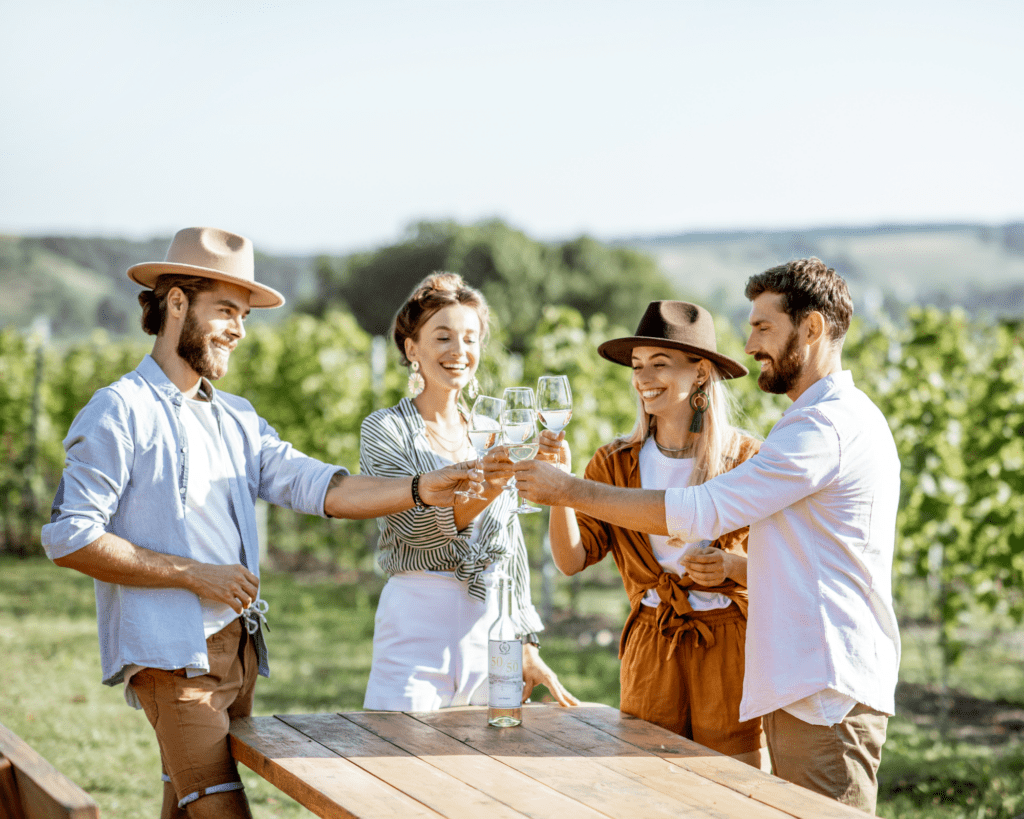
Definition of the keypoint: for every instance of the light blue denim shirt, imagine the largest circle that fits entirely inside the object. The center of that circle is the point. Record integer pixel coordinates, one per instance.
(126, 472)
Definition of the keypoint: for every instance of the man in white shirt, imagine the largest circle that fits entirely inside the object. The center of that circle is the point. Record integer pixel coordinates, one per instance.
(822, 644)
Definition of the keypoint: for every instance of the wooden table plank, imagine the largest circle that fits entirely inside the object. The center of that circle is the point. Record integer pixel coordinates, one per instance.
(564, 726)
(10, 802)
(426, 784)
(582, 779)
(588, 762)
(40, 787)
(759, 786)
(515, 789)
(292, 762)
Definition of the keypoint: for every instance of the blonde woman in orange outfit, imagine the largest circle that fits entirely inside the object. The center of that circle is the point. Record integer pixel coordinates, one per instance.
(682, 646)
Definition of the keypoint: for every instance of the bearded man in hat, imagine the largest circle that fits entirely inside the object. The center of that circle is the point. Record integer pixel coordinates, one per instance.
(820, 498)
(157, 504)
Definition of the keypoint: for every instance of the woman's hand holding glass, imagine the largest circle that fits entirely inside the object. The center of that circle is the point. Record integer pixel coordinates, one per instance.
(519, 429)
(553, 448)
(485, 433)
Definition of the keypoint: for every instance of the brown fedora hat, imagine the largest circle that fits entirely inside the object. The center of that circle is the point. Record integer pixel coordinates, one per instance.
(678, 325)
(214, 254)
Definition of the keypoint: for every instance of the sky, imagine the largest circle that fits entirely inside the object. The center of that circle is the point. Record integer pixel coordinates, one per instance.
(333, 126)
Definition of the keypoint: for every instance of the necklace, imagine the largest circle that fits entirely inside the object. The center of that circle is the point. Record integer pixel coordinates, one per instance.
(445, 443)
(688, 448)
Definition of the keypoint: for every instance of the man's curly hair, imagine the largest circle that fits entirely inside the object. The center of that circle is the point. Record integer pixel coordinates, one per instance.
(807, 285)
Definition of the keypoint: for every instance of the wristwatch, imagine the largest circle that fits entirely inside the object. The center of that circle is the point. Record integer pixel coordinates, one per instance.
(532, 638)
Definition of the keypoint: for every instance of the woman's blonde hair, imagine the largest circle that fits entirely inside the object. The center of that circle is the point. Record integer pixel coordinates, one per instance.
(435, 292)
(717, 444)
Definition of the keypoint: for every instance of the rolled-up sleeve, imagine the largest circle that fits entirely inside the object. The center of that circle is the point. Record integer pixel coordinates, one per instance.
(799, 457)
(97, 467)
(291, 479)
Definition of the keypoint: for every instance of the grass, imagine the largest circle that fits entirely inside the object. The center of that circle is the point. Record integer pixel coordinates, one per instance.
(320, 644)
(320, 641)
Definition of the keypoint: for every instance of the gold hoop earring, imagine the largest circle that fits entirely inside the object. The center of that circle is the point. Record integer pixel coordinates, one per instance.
(699, 403)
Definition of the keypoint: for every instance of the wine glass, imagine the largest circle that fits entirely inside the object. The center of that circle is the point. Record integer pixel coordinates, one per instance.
(519, 430)
(484, 430)
(554, 404)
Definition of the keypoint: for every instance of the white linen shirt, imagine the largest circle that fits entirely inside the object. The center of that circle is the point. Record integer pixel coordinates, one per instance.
(820, 499)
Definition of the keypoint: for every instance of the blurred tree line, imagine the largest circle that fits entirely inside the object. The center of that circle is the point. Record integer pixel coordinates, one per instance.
(518, 276)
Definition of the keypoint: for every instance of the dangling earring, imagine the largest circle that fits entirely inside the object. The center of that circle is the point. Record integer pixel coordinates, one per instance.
(416, 382)
(473, 389)
(699, 403)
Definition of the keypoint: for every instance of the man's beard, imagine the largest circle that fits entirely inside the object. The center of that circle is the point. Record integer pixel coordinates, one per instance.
(194, 346)
(785, 372)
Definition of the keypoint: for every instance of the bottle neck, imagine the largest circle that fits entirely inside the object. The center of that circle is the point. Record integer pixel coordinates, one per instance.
(505, 597)
(504, 626)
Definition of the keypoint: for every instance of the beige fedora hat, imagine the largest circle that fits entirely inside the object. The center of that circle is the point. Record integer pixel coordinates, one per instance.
(215, 254)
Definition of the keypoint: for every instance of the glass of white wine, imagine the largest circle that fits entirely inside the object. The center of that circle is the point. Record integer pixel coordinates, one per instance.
(484, 429)
(554, 403)
(519, 430)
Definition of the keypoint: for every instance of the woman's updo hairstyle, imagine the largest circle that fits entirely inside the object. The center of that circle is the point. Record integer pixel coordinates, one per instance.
(435, 292)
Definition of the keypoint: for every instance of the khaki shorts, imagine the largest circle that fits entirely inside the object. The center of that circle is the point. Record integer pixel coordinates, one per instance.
(840, 761)
(694, 687)
(191, 714)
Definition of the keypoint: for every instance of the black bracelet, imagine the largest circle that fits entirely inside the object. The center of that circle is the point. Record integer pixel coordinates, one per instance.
(416, 499)
(532, 638)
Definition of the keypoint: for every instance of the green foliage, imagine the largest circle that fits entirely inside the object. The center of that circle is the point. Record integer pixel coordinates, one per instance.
(604, 405)
(952, 390)
(320, 644)
(320, 647)
(926, 776)
(26, 446)
(517, 275)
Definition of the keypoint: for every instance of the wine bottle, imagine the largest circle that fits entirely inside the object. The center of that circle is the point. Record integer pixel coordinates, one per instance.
(505, 663)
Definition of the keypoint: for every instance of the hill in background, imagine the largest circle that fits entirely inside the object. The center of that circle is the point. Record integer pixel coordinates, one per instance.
(977, 267)
(79, 283)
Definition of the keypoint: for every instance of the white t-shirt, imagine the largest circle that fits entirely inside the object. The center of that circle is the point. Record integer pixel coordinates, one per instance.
(660, 472)
(208, 519)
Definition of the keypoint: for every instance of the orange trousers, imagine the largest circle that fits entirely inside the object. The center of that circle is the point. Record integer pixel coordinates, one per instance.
(689, 684)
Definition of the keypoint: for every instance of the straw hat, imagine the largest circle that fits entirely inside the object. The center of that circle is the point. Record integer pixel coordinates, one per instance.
(678, 325)
(215, 254)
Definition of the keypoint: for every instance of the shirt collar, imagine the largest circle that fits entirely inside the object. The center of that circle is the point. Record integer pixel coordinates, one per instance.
(819, 389)
(154, 374)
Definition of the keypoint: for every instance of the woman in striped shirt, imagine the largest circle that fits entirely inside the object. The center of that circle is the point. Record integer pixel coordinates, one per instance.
(430, 631)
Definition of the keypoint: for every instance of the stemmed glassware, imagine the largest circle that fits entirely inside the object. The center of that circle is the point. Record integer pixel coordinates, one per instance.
(519, 429)
(554, 403)
(484, 429)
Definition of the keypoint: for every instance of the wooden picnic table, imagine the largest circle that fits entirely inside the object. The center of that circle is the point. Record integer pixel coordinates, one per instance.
(587, 762)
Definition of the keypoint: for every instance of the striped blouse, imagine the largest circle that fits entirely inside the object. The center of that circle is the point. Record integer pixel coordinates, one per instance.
(393, 443)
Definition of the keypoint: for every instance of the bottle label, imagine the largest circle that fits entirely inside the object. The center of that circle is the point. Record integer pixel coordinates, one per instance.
(505, 674)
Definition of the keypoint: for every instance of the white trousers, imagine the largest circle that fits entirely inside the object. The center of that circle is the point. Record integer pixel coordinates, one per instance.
(429, 644)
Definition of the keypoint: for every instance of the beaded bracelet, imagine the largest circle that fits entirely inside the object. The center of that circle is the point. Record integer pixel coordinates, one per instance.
(416, 499)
